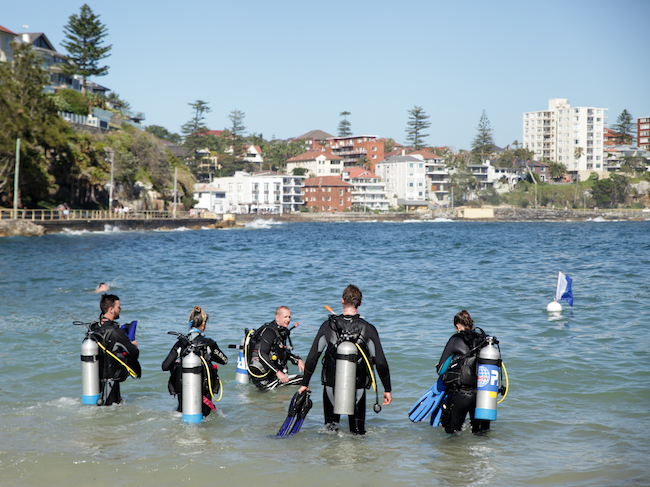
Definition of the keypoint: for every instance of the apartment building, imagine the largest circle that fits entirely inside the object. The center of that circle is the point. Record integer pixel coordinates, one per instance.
(368, 191)
(357, 150)
(437, 175)
(643, 133)
(328, 193)
(556, 133)
(316, 163)
(267, 192)
(405, 178)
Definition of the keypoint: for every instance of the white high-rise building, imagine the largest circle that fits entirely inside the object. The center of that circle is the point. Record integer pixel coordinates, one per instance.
(556, 133)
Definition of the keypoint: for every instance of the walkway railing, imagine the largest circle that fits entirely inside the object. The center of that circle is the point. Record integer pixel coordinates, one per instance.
(62, 215)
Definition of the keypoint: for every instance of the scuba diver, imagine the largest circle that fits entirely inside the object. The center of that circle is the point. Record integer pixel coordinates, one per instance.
(457, 367)
(208, 351)
(346, 375)
(118, 356)
(267, 353)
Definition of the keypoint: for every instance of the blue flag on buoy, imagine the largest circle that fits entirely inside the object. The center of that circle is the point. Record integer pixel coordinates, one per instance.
(564, 288)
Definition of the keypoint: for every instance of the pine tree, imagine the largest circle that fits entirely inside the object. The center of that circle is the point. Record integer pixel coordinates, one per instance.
(237, 130)
(84, 34)
(194, 129)
(483, 143)
(625, 126)
(344, 125)
(416, 125)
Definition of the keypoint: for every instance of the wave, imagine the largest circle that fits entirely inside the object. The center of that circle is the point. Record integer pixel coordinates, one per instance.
(261, 223)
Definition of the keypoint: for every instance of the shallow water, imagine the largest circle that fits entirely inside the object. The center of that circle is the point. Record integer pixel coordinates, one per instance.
(576, 412)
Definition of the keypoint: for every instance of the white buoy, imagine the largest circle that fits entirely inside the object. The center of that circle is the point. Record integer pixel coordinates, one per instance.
(553, 306)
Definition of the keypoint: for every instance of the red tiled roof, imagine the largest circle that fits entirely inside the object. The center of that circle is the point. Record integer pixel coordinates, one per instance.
(312, 155)
(359, 172)
(326, 181)
(426, 154)
(4, 29)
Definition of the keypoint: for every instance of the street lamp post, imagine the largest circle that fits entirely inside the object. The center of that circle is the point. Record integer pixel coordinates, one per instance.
(111, 157)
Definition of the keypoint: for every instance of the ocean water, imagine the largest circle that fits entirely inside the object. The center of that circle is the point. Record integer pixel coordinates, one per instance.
(576, 414)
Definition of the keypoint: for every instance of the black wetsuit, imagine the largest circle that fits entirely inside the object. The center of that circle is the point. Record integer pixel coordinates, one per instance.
(211, 353)
(111, 372)
(368, 340)
(272, 341)
(461, 398)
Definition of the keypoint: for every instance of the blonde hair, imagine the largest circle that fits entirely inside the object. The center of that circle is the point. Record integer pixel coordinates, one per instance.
(198, 317)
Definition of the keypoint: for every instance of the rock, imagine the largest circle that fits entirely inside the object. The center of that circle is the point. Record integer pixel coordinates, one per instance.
(24, 228)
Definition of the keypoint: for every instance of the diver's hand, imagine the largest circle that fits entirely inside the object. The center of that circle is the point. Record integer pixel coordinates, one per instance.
(135, 342)
(303, 389)
(282, 376)
(301, 366)
(388, 397)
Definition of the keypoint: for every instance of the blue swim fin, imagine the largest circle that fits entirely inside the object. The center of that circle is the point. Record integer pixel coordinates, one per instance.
(429, 401)
(436, 413)
(302, 413)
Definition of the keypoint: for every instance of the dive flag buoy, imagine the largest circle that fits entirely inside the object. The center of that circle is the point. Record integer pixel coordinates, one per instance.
(553, 307)
(563, 291)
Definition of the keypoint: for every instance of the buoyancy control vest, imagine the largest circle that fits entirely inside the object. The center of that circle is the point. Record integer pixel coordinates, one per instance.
(114, 360)
(462, 371)
(347, 329)
(279, 354)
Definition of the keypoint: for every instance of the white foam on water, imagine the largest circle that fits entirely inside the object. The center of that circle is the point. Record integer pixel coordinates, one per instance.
(262, 224)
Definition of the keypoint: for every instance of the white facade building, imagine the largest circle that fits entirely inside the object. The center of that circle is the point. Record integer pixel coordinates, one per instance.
(316, 163)
(405, 178)
(252, 193)
(556, 133)
(368, 190)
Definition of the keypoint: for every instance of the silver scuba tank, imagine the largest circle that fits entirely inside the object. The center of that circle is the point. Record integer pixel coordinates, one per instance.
(89, 372)
(345, 386)
(487, 384)
(241, 373)
(192, 388)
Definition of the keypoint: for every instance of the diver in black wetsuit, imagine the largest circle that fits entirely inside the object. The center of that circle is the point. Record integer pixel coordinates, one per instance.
(115, 339)
(207, 347)
(368, 339)
(269, 354)
(460, 376)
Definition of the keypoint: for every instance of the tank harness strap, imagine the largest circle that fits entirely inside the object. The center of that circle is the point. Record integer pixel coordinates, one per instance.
(89, 358)
(192, 370)
(347, 358)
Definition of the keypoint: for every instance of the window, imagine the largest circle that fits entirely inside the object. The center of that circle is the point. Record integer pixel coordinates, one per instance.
(329, 190)
(374, 148)
(340, 192)
(329, 207)
(341, 202)
(329, 198)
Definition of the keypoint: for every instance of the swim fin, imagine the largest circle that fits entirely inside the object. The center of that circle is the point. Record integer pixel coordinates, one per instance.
(429, 402)
(436, 414)
(298, 408)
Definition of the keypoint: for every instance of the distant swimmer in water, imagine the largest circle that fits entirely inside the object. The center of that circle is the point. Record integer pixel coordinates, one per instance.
(102, 287)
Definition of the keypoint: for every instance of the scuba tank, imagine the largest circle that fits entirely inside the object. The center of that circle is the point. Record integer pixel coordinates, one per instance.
(192, 387)
(241, 373)
(345, 389)
(89, 371)
(487, 385)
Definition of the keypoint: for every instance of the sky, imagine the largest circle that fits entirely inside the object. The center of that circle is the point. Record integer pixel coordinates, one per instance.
(294, 66)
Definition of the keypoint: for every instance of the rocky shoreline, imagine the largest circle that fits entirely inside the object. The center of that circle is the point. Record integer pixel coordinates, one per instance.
(9, 228)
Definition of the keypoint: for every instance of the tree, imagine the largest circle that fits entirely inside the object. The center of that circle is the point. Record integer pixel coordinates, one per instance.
(389, 145)
(483, 143)
(625, 127)
(556, 170)
(418, 122)
(164, 134)
(344, 125)
(237, 131)
(26, 112)
(464, 183)
(84, 34)
(610, 191)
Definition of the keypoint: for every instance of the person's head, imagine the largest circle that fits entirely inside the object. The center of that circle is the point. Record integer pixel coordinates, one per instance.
(352, 296)
(198, 318)
(283, 316)
(463, 321)
(110, 306)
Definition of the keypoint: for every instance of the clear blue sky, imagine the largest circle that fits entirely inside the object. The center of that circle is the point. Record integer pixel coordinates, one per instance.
(293, 66)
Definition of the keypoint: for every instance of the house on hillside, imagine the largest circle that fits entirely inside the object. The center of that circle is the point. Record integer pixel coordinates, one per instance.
(328, 193)
(316, 163)
(6, 37)
(314, 140)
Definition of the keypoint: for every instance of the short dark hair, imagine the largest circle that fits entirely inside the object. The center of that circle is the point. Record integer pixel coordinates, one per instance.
(107, 302)
(352, 296)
